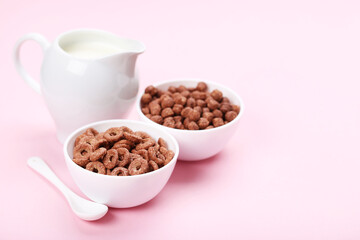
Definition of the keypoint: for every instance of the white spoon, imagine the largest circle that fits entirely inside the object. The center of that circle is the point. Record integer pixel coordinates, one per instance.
(83, 208)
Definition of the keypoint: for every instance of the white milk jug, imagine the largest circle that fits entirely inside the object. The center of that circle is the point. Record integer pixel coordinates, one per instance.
(86, 76)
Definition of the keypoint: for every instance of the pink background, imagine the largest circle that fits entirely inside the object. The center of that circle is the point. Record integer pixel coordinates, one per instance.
(291, 171)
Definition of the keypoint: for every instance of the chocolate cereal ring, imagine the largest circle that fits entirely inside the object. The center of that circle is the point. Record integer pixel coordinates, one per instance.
(134, 156)
(157, 147)
(91, 140)
(98, 154)
(81, 161)
(111, 159)
(143, 135)
(168, 156)
(124, 143)
(96, 167)
(128, 147)
(143, 153)
(83, 151)
(119, 171)
(153, 166)
(91, 132)
(162, 142)
(81, 136)
(145, 145)
(113, 134)
(124, 157)
(100, 136)
(163, 150)
(101, 143)
(78, 138)
(126, 129)
(138, 166)
(132, 137)
(156, 156)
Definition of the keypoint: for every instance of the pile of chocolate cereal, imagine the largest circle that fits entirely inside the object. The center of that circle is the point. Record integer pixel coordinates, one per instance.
(188, 108)
(120, 152)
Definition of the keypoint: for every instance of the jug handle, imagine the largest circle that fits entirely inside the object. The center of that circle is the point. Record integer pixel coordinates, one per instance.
(16, 55)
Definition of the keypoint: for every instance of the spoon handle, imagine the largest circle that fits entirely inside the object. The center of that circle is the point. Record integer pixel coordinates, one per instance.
(43, 169)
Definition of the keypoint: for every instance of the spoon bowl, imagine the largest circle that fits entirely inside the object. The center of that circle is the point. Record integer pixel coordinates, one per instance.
(86, 209)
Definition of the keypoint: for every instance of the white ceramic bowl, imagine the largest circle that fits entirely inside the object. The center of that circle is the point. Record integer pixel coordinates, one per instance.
(199, 144)
(121, 191)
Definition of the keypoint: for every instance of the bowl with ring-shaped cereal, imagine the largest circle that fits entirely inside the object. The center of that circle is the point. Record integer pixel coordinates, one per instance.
(120, 163)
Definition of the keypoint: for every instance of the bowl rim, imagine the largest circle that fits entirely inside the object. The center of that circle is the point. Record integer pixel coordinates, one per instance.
(80, 129)
(157, 84)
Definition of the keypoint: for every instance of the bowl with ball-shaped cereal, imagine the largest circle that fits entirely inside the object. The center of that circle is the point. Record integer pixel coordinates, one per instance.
(200, 114)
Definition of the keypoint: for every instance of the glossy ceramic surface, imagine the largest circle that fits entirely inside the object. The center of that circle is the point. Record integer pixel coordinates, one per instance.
(199, 144)
(121, 191)
(77, 90)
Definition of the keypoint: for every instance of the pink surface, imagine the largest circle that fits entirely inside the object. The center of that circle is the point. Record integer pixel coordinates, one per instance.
(291, 171)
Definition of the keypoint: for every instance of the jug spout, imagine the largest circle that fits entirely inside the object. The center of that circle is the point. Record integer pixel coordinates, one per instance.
(124, 59)
(122, 62)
